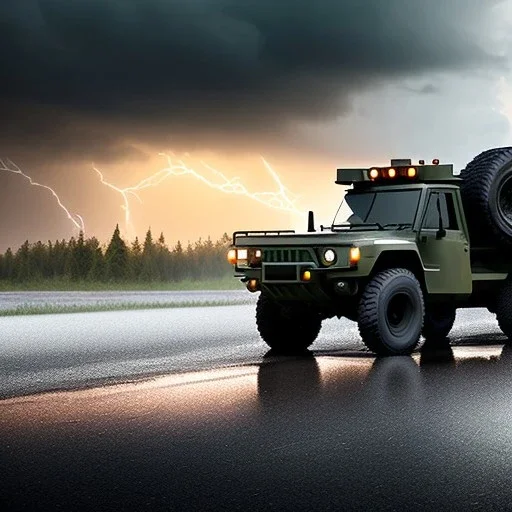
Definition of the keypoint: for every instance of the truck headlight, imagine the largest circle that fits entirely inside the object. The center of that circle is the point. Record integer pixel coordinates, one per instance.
(232, 256)
(247, 256)
(328, 256)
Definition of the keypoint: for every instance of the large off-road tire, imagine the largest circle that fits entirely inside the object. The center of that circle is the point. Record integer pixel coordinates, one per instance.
(287, 328)
(486, 191)
(438, 322)
(504, 308)
(391, 312)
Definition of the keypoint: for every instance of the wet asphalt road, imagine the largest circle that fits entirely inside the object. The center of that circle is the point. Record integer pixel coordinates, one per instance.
(12, 300)
(66, 351)
(333, 432)
(338, 430)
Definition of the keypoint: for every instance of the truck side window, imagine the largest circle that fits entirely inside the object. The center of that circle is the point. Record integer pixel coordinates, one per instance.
(447, 212)
(450, 210)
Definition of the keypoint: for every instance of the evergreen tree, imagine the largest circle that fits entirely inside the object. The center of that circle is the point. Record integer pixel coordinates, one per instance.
(116, 257)
(178, 262)
(22, 262)
(208, 259)
(82, 258)
(70, 265)
(135, 259)
(220, 262)
(149, 271)
(58, 261)
(189, 266)
(163, 258)
(48, 271)
(97, 270)
(37, 260)
(8, 264)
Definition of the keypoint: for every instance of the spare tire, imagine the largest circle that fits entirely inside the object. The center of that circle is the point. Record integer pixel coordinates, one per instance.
(486, 191)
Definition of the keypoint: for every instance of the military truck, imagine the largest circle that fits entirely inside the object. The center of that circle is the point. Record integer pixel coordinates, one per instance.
(420, 243)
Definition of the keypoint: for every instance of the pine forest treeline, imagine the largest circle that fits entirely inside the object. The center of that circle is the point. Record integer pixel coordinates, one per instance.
(84, 259)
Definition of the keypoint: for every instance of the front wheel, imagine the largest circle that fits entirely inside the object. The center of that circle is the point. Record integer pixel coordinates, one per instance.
(287, 328)
(391, 312)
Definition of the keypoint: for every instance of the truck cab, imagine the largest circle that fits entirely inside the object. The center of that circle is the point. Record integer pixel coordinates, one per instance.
(424, 203)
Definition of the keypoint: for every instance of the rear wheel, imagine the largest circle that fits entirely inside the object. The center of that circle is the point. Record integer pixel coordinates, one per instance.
(391, 312)
(287, 328)
(439, 320)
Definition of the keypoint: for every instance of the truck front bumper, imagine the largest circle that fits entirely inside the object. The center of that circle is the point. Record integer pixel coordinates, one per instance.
(300, 281)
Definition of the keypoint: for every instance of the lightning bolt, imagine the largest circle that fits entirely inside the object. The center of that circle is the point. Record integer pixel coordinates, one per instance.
(9, 166)
(282, 200)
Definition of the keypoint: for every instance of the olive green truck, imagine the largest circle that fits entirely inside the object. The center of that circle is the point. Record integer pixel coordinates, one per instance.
(420, 243)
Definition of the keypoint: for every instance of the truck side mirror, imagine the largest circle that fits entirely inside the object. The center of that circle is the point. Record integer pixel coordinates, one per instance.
(441, 232)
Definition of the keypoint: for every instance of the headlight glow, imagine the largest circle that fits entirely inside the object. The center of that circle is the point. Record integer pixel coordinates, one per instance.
(232, 256)
(329, 256)
(354, 255)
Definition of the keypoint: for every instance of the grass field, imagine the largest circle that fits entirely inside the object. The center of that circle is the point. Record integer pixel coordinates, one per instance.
(225, 283)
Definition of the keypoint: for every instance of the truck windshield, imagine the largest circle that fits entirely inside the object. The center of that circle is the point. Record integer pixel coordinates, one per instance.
(383, 208)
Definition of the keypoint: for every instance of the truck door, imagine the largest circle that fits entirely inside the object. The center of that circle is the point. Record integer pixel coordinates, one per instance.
(446, 259)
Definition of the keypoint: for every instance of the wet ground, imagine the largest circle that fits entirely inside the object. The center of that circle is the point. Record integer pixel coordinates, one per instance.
(203, 417)
(322, 432)
(12, 300)
(68, 351)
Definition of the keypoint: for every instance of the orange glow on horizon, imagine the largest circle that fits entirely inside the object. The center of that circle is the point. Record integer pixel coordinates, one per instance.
(247, 193)
(283, 199)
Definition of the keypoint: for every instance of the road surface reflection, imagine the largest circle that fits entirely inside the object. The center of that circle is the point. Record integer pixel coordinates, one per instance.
(289, 434)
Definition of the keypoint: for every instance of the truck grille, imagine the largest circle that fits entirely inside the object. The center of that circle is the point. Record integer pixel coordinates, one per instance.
(280, 273)
(286, 256)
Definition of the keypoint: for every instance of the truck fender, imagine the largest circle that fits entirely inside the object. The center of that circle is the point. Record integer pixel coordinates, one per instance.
(407, 257)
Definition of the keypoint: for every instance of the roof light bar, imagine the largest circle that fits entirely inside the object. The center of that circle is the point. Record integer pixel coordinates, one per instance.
(390, 173)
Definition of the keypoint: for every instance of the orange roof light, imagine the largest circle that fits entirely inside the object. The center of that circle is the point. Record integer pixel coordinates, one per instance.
(411, 172)
(374, 174)
(392, 173)
(435, 161)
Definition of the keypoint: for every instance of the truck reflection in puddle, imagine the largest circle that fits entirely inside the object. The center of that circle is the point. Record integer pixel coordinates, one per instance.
(394, 382)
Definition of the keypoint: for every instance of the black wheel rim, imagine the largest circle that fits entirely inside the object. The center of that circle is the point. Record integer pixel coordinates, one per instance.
(505, 200)
(399, 313)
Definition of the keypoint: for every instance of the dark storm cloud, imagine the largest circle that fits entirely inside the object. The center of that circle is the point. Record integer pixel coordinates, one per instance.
(190, 66)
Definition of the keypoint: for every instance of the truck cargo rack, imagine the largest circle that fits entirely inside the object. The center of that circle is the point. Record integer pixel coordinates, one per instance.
(260, 233)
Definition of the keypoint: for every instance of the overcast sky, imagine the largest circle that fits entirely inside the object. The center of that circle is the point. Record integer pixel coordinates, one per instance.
(309, 85)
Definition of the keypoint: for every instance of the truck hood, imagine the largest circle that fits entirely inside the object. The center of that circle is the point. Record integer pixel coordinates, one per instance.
(325, 238)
